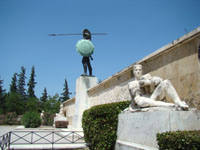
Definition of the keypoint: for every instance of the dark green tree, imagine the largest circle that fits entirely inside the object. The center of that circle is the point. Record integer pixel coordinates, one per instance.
(32, 104)
(31, 83)
(44, 96)
(66, 93)
(21, 83)
(13, 85)
(2, 97)
(43, 99)
(52, 105)
(14, 103)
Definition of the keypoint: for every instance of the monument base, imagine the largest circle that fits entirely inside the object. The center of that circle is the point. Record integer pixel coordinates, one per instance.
(60, 122)
(137, 131)
(83, 83)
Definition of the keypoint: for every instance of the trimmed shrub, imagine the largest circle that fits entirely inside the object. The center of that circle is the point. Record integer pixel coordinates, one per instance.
(100, 125)
(31, 120)
(180, 140)
(48, 119)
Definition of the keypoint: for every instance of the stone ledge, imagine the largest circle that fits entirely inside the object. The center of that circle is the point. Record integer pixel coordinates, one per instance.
(185, 38)
(69, 101)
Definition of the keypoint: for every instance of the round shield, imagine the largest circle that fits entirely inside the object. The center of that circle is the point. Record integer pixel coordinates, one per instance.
(85, 47)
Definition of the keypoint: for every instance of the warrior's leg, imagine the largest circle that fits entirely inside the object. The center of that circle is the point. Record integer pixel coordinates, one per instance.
(165, 88)
(89, 67)
(148, 102)
(159, 92)
(84, 65)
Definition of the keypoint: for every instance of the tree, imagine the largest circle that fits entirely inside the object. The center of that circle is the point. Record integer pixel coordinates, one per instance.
(66, 93)
(44, 96)
(2, 97)
(13, 85)
(52, 105)
(31, 83)
(43, 99)
(14, 103)
(21, 83)
(32, 104)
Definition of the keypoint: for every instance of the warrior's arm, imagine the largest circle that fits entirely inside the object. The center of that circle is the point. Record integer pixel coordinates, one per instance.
(151, 83)
(144, 83)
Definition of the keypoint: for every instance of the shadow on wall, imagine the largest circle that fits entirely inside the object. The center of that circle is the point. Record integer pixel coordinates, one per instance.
(87, 83)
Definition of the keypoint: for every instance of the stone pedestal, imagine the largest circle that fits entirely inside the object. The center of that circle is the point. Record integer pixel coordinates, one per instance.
(137, 131)
(83, 83)
(60, 122)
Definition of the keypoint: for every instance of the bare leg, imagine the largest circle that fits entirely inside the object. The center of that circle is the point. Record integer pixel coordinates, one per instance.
(147, 102)
(89, 67)
(164, 89)
(84, 62)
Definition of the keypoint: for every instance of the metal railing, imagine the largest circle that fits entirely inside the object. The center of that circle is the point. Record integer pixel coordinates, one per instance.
(5, 141)
(49, 138)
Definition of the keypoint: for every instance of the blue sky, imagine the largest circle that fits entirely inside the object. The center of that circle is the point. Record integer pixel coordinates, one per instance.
(135, 28)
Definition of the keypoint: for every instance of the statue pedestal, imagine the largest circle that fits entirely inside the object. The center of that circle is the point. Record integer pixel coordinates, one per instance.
(137, 131)
(83, 83)
(60, 122)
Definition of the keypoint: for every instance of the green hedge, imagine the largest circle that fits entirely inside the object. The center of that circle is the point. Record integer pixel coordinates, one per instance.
(31, 120)
(100, 125)
(180, 140)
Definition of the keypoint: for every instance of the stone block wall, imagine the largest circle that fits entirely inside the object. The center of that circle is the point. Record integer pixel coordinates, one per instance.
(69, 109)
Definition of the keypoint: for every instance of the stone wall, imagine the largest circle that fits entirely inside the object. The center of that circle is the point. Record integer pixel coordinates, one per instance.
(69, 109)
(177, 61)
(181, 66)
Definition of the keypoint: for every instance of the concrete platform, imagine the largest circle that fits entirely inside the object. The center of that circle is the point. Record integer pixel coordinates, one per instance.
(137, 131)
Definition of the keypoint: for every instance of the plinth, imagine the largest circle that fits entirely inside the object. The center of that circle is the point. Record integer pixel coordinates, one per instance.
(60, 122)
(137, 131)
(83, 83)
